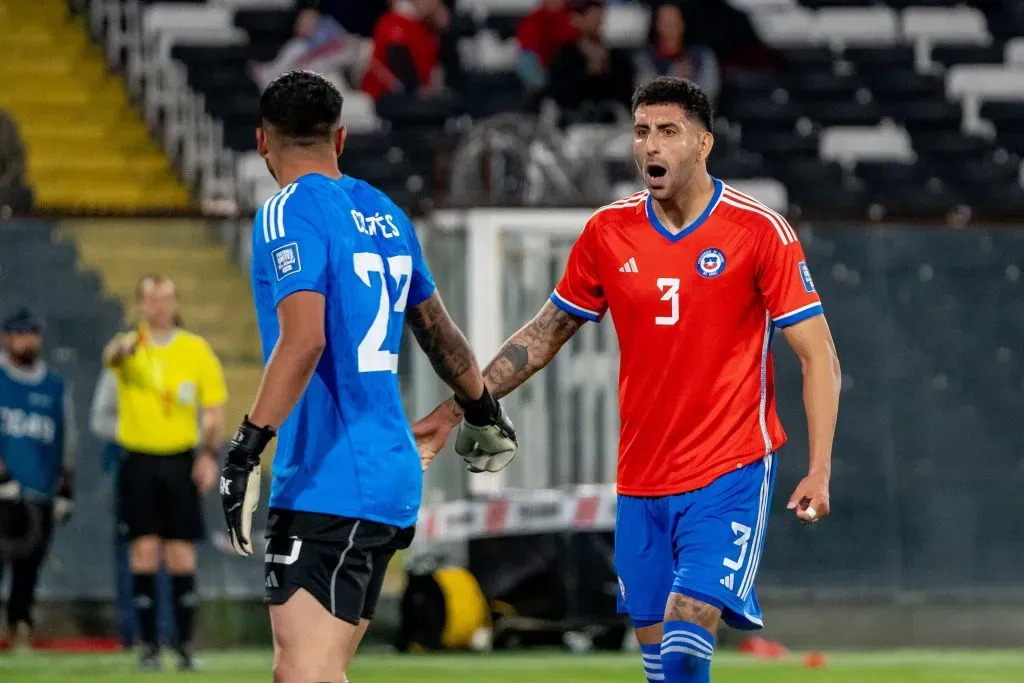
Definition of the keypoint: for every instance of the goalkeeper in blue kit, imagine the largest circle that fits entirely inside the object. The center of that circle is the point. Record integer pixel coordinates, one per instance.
(336, 271)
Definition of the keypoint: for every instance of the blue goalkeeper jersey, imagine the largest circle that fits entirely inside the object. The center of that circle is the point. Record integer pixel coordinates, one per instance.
(347, 448)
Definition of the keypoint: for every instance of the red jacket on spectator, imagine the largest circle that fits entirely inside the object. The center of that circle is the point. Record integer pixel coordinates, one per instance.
(544, 31)
(402, 29)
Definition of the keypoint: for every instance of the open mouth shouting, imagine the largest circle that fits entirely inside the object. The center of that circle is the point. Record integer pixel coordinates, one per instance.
(655, 175)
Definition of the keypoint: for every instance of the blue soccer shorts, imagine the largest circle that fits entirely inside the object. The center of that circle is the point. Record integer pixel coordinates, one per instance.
(705, 544)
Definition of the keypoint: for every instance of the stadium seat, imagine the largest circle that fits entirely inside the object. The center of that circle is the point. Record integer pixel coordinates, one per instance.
(1014, 53)
(858, 26)
(848, 145)
(480, 9)
(626, 26)
(793, 27)
(975, 84)
(768, 191)
(358, 113)
(487, 52)
(759, 6)
(930, 26)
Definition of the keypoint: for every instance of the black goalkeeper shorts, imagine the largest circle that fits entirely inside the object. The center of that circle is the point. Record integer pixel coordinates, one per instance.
(340, 561)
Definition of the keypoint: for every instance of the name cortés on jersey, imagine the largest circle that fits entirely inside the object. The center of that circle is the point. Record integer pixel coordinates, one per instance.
(370, 225)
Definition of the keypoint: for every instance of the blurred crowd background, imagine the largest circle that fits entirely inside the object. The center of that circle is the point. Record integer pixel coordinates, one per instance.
(887, 132)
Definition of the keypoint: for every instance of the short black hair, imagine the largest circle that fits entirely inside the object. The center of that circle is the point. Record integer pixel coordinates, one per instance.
(674, 90)
(302, 106)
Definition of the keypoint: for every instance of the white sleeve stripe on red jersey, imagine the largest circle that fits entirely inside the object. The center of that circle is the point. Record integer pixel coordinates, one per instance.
(802, 313)
(746, 198)
(624, 203)
(574, 309)
(781, 225)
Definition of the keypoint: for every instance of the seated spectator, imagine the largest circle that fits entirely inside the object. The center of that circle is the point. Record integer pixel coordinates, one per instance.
(320, 44)
(586, 71)
(541, 34)
(14, 191)
(406, 55)
(668, 54)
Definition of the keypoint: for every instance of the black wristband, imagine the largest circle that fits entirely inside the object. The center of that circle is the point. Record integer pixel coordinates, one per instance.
(480, 411)
(248, 443)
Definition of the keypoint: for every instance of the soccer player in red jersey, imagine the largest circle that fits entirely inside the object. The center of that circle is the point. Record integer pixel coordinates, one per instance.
(697, 277)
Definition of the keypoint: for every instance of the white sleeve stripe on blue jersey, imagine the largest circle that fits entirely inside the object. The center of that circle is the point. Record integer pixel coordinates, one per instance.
(273, 213)
(277, 211)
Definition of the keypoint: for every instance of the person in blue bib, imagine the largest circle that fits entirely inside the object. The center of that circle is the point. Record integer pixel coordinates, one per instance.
(36, 457)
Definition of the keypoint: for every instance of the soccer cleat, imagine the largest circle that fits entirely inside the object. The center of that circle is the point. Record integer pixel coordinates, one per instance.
(187, 659)
(150, 659)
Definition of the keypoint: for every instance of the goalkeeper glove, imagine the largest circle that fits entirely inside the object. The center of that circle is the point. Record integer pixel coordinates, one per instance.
(240, 482)
(487, 438)
(64, 501)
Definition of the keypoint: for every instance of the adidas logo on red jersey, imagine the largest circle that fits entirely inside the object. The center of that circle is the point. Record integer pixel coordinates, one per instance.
(629, 266)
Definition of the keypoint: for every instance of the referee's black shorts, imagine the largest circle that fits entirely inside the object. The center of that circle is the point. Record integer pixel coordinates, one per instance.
(340, 561)
(157, 497)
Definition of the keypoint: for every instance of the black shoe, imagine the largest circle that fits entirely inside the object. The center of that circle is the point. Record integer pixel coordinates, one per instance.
(187, 660)
(150, 659)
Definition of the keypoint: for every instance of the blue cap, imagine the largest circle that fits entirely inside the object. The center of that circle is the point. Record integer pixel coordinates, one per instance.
(22, 320)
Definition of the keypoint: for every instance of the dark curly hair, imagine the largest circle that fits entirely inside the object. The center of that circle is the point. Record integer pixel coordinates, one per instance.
(673, 90)
(303, 107)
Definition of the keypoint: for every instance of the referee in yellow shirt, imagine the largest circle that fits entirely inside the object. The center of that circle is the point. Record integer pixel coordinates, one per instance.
(171, 395)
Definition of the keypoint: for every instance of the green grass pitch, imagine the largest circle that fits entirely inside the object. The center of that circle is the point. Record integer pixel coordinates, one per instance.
(911, 666)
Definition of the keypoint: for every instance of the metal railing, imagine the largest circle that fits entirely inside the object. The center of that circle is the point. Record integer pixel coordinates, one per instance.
(173, 111)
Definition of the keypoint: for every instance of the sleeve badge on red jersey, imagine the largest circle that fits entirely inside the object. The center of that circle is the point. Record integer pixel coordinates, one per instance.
(805, 275)
(711, 262)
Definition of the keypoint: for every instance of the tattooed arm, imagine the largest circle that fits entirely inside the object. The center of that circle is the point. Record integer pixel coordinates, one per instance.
(526, 352)
(530, 349)
(446, 347)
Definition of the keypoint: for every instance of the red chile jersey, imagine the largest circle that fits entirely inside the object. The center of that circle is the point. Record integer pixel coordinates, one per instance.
(694, 314)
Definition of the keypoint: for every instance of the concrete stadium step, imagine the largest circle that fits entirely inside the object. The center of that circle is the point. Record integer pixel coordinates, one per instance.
(170, 232)
(105, 197)
(141, 175)
(79, 128)
(41, 164)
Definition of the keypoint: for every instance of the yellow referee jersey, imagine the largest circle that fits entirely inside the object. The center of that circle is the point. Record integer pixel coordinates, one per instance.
(160, 389)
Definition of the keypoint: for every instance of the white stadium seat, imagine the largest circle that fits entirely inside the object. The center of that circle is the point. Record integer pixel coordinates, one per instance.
(927, 27)
(487, 52)
(254, 4)
(850, 144)
(984, 81)
(791, 28)
(626, 25)
(359, 113)
(481, 8)
(975, 84)
(1014, 53)
(183, 18)
(755, 6)
(844, 27)
(768, 191)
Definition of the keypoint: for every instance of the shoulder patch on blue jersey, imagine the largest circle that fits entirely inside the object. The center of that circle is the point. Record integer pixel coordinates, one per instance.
(286, 260)
(805, 275)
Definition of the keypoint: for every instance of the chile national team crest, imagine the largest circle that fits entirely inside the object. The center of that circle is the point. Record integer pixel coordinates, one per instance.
(711, 262)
